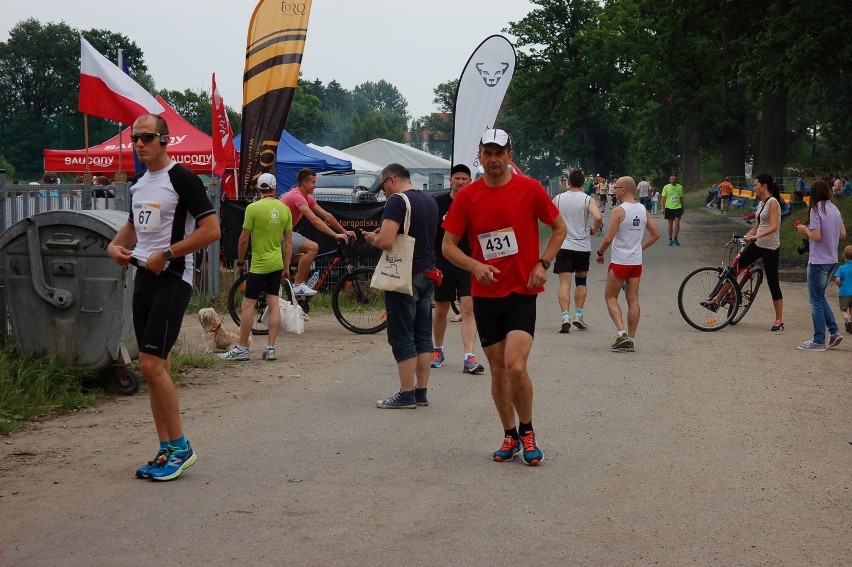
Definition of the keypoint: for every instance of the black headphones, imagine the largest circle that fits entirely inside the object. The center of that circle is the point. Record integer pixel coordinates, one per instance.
(164, 139)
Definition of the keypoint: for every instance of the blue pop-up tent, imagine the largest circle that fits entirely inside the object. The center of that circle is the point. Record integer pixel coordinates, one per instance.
(293, 155)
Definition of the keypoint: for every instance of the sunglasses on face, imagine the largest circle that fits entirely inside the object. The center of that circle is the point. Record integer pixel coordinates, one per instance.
(147, 137)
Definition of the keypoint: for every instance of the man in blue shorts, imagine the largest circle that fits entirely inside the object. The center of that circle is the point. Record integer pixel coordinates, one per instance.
(500, 213)
(171, 218)
(409, 317)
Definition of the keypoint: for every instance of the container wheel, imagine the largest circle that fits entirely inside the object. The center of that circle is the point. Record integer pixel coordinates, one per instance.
(127, 381)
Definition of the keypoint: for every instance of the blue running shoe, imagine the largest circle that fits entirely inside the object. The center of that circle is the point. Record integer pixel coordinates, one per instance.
(472, 366)
(145, 470)
(507, 452)
(532, 454)
(437, 357)
(170, 465)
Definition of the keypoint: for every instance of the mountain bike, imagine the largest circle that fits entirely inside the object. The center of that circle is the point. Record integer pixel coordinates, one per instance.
(357, 306)
(711, 298)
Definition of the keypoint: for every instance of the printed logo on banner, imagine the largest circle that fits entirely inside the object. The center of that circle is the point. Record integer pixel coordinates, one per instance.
(294, 8)
(491, 76)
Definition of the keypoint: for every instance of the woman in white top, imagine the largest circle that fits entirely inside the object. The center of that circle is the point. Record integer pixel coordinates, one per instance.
(765, 241)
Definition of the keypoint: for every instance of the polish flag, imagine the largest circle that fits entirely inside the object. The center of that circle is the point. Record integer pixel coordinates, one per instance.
(107, 92)
(224, 152)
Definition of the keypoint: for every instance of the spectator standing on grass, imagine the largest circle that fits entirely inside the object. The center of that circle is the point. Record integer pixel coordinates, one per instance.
(802, 185)
(500, 213)
(582, 219)
(171, 218)
(268, 225)
(725, 192)
(672, 202)
(824, 229)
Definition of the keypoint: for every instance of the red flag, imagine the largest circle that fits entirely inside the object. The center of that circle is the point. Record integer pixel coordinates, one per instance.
(107, 92)
(224, 152)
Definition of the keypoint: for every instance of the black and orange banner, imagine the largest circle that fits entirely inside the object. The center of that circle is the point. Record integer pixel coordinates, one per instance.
(276, 41)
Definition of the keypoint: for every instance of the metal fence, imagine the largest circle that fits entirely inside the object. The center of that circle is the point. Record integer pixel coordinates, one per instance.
(18, 202)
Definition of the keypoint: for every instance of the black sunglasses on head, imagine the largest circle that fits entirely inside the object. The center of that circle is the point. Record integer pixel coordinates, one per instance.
(265, 186)
(147, 137)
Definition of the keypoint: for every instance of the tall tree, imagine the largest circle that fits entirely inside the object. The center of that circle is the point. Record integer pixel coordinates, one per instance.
(559, 103)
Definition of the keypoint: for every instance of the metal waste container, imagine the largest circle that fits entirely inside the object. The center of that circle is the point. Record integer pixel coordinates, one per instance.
(66, 296)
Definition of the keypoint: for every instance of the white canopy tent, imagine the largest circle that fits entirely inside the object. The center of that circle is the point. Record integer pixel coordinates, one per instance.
(358, 164)
(426, 169)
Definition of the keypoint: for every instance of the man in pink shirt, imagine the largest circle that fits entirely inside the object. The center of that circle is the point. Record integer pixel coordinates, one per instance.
(302, 203)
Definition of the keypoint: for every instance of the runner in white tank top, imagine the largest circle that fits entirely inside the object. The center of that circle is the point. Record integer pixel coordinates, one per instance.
(627, 244)
(626, 230)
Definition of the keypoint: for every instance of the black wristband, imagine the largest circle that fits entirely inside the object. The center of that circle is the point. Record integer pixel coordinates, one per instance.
(240, 263)
(600, 253)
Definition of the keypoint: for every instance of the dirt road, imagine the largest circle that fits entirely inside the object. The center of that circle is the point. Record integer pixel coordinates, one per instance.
(727, 448)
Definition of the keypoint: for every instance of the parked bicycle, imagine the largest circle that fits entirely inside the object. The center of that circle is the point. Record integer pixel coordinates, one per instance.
(357, 306)
(711, 298)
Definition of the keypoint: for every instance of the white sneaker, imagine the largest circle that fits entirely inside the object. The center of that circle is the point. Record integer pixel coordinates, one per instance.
(566, 323)
(236, 352)
(579, 322)
(304, 290)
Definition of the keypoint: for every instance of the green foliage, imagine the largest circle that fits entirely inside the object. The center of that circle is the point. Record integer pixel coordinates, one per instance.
(36, 386)
(10, 169)
(331, 115)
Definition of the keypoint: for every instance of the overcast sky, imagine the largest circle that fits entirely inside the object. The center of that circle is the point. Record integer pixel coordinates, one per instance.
(414, 45)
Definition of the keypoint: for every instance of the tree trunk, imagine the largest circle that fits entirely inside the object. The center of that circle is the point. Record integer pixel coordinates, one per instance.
(690, 177)
(590, 161)
(772, 153)
(732, 143)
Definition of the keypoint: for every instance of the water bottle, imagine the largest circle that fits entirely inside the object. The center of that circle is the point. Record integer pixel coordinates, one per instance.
(312, 281)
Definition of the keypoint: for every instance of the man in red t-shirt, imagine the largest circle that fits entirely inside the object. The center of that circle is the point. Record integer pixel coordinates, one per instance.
(301, 201)
(500, 213)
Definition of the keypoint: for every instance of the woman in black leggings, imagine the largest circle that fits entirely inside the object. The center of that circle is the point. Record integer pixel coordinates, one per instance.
(765, 241)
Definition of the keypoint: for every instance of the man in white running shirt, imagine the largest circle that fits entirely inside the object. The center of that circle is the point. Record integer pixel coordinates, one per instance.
(626, 230)
(583, 219)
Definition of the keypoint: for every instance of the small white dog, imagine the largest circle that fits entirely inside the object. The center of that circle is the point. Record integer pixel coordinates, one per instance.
(218, 339)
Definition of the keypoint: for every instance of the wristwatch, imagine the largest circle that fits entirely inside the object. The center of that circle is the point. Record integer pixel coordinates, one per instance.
(544, 263)
(600, 253)
(168, 254)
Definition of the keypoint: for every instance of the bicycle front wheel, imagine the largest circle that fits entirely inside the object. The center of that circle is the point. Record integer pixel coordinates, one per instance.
(748, 290)
(702, 285)
(359, 307)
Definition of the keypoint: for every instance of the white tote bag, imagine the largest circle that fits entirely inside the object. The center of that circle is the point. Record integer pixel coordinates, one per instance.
(292, 316)
(393, 271)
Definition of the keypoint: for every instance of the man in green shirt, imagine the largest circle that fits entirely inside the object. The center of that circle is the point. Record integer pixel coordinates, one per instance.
(672, 199)
(266, 221)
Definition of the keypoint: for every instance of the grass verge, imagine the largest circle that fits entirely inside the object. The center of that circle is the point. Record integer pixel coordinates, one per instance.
(36, 387)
